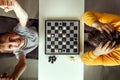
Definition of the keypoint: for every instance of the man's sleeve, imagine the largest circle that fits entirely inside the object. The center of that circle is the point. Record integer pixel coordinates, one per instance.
(89, 17)
(110, 59)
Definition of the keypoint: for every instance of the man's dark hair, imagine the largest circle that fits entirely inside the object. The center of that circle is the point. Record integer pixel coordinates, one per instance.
(95, 37)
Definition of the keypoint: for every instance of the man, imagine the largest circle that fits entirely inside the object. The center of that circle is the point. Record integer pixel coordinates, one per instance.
(105, 37)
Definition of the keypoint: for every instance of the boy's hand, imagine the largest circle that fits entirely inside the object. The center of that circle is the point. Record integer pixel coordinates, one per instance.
(7, 5)
(102, 27)
(107, 48)
(6, 76)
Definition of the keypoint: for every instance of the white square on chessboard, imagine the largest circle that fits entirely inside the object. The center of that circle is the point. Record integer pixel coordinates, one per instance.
(76, 23)
(52, 31)
(67, 23)
(71, 42)
(71, 28)
(68, 31)
(60, 46)
(75, 46)
(67, 46)
(48, 28)
(76, 31)
(71, 50)
(71, 35)
(67, 39)
(48, 50)
(52, 39)
(56, 35)
(56, 28)
(60, 39)
(64, 35)
(52, 23)
(60, 31)
(64, 43)
(52, 46)
(56, 50)
(56, 42)
(64, 28)
(48, 42)
(49, 35)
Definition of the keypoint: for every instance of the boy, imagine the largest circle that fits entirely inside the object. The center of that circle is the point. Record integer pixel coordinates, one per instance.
(19, 42)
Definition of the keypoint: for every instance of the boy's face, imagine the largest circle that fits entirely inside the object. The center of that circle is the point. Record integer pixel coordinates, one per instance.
(12, 42)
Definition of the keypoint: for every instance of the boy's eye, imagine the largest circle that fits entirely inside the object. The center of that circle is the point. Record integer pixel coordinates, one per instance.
(10, 46)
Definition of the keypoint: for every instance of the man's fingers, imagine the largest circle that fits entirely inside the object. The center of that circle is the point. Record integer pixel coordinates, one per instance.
(109, 27)
(106, 45)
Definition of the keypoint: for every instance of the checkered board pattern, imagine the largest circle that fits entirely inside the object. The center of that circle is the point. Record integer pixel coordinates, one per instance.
(62, 37)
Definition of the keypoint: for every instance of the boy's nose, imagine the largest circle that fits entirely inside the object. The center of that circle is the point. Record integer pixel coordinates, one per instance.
(15, 42)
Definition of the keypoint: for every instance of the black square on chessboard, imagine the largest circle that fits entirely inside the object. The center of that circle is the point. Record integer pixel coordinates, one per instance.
(48, 46)
(60, 35)
(75, 35)
(52, 50)
(56, 23)
(68, 43)
(75, 27)
(68, 27)
(75, 50)
(60, 42)
(48, 39)
(68, 50)
(63, 46)
(71, 39)
(56, 31)
(71, 31)
(60, 27)
(56, 46)
(48, 24)
(52, 42)
(52, 27)
(64, 31)
(71, 24)
(64, 39)
(64, 24)
(75, 42)
(68, 35)
(71, 46)
(48, 31)
(56, 39)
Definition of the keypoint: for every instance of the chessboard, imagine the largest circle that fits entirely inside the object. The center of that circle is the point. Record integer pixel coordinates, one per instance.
(62, 37)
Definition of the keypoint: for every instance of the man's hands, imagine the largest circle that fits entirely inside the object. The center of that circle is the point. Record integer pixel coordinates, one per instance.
(107, 48)
(7, 5)
(102, 27)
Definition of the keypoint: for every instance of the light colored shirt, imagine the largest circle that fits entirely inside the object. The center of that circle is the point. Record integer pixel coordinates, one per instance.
(31, 39)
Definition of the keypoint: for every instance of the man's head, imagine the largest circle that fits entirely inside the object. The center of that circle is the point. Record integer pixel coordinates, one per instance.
(10, 42)
(96, 37)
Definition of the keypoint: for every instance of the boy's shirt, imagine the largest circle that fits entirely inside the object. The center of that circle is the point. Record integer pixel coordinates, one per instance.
(31, 39)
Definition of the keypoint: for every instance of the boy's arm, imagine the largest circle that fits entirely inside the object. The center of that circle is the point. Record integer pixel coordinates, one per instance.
(9, 5)
(20, 13)
(19, 68)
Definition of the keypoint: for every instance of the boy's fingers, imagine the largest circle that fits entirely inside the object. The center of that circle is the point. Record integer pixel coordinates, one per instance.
(10, 3)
